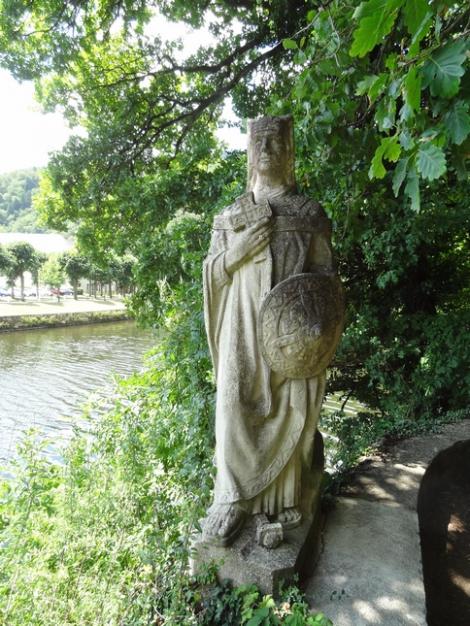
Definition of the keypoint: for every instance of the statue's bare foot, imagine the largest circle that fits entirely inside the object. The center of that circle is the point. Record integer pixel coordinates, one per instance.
(290, 517)
(223, 524)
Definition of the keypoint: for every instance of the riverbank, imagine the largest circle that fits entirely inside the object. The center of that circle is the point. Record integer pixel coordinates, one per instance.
(18, 315)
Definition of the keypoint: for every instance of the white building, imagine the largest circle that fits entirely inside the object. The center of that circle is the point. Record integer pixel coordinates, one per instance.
(49, 243)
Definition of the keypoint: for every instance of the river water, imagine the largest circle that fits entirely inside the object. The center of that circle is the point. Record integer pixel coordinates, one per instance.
(47, 375)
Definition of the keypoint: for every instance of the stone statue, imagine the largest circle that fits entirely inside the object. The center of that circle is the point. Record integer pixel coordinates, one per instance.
(273, 313)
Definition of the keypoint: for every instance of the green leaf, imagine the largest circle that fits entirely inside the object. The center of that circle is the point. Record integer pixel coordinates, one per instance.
(378, 87)
(376, 21)
(420, 33)
(457, 122)
(443, 70)
(412, 88)
(460, 166)
(431, 161)
(373, 85)
(289, 44)
(406, 113)
(414, 13)
(259, 616)
(311, 16)
(406, 140)
(385, 114)
(364, 85)
(412, 189)
(388, 149)
(391, 61)
(399, 175)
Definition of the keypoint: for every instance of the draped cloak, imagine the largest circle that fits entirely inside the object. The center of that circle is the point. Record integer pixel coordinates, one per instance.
(265, 423)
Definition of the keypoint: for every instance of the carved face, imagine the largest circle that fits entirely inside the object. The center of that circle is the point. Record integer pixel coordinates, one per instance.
(269, 153)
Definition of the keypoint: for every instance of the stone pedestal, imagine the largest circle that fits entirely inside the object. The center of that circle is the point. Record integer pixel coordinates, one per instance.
(246, 562)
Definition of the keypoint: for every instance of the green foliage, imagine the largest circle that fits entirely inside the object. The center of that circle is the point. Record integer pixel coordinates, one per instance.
(21, 257)
(380, 97)
(390, 122)
(16, 191)
(410, 81)
(244, 605)
(52, 273)
(104, 538)
(444, 69)
(75, 266)
(6, 261)
(431, 161)
(376, 21)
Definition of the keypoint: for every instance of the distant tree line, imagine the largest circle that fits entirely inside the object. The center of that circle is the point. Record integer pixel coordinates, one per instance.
(16, 192)
(55, 269)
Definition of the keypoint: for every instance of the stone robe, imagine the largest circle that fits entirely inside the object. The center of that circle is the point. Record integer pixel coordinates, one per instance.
(265, 423)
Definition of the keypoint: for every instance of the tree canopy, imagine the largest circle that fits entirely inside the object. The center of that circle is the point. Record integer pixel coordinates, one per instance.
(379, 91)
(16, 191)
(380, 96)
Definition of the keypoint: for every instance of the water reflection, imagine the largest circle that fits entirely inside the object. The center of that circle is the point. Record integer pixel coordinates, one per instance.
(45, 375)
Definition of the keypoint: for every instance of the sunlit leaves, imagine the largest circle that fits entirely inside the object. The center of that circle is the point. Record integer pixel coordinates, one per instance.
(389, 149)
(376, 19)
(289, 44)
(415, 12)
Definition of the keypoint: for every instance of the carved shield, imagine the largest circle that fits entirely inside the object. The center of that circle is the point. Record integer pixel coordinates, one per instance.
(300, 324)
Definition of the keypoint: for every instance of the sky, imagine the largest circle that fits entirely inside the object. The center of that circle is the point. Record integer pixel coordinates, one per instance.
(27, 135)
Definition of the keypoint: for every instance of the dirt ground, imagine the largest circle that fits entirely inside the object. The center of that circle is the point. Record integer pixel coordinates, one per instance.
(429, 475)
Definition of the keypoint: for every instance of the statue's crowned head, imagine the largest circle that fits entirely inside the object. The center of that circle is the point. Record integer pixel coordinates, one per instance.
(271, 150)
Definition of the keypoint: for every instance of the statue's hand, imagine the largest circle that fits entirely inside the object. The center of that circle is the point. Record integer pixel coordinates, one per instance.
(248, 244)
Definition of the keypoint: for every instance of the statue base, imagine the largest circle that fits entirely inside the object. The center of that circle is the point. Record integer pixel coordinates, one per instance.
(265, 555)
(248, 562)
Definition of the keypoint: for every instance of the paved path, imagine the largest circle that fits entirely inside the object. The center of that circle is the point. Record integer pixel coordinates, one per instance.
(369, 572)
(66, 305)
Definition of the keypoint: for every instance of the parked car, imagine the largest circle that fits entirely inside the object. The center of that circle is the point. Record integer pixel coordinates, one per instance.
(4, 293)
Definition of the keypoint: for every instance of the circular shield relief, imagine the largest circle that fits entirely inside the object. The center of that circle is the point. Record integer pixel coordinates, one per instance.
(300, 324)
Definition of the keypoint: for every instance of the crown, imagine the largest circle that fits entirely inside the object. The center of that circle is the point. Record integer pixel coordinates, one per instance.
(269, 124)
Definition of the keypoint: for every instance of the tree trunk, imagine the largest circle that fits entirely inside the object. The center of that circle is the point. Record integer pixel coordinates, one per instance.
(22, 285)
(75, 289)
